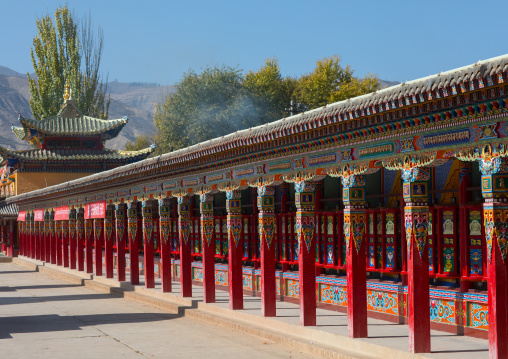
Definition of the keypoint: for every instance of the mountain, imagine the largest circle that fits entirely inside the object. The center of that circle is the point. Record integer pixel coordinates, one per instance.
(385, 83)
(135, 100)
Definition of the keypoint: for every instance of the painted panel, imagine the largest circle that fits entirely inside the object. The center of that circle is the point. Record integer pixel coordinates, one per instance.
(442, 311)
(477, 315)
(292, 288)
(332, 294)
(221, 277)
(384, 302)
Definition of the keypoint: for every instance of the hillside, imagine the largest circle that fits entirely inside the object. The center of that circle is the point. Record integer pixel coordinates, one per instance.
(133, 100)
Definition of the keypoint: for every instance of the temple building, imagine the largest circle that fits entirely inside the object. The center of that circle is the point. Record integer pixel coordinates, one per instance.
(65, 147)
(391, 205)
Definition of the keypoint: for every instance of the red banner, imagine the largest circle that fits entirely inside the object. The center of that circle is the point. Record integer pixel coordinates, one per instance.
(21, 216)
(62, 213)
(39, 215)
(95, 210)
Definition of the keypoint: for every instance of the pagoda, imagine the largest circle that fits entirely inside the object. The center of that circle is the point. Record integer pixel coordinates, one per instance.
(65, 147)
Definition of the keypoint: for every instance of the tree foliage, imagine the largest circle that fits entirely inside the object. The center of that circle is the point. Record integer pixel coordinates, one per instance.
(330, 82)
(140, 143)
(204, 106)
(220, 100)
(61, 52)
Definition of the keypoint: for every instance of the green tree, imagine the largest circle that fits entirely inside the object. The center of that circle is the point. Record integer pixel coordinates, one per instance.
(207, 105)
(58, 55)
(219, 100)
(330, 82)
(140, 143)
(270, 91)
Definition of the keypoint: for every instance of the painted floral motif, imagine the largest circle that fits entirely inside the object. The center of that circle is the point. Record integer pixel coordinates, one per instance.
(293, 288)
(448, 260)
(489, 231)
(267, 227)
(97, 230)
(347, 231)
(79, 227)
(408, 221)
(478, 316)
(184, 229)
(207, 228)
(165, 226)
(108, 230)
(332, 294)
(247, 282)
(358, 226)
(120, 230)
(73, 231)
(221, 277)
(501, 227)
(133, 230)
(88, 230)
(476, 265)
(384, 302)
(420, 232)
(148, 230)
(305, 226)
(235, 226)
(442, 311)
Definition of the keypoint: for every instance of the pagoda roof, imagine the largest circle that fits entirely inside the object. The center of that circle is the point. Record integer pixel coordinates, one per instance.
(69, 122)
(8, 209)
(61, 126)
(38, 155)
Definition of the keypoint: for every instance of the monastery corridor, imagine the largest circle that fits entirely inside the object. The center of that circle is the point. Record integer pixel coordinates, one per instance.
(390, 206)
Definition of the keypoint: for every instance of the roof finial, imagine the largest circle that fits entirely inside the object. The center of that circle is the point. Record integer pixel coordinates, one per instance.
(66, 95)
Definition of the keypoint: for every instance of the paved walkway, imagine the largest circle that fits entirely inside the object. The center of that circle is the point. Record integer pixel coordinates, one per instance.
(386, 340)
(43, 317)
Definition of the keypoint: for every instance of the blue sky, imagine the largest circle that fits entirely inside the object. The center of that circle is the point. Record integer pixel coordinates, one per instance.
(157, 41)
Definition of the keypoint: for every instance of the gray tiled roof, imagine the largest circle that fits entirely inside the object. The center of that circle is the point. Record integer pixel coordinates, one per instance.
(75, 155)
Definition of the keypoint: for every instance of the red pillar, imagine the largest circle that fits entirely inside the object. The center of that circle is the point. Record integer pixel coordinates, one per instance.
(305, 225)
(98, 224)
(81, 237)
(208, 240)
(37, 247)
(47, 236)
(58, 242)
(266, 207)
(89, 245)
(42, 239)
(35, 240)
(464, 197)
(148, 224)
(353, 196)
(184, 223)
(495, 211)
(496, 216)
(10, 243)
(121, 239)
(134, 230)
(3, 237)
(72, 238)
(52, 233)
(165, 229)
(416, 219)
(32, 236)
(65, 243)
(235, 251)
(109, 236)
(21, 237)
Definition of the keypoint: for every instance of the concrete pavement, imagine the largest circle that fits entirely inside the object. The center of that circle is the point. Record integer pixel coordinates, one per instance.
(328, 339)
(46, 317)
